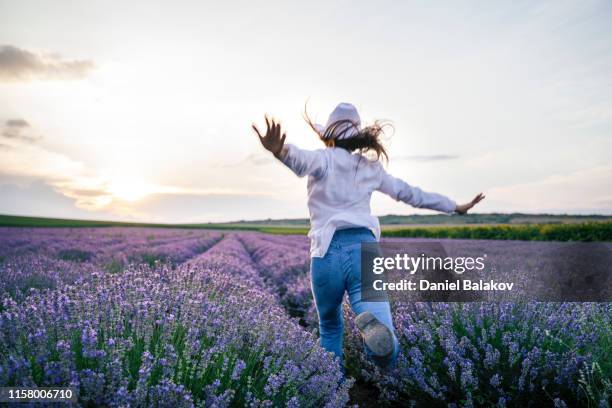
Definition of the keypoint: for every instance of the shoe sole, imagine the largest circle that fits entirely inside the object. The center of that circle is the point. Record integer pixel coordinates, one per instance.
(376, 335)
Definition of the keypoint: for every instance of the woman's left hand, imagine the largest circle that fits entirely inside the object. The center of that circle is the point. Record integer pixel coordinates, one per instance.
(464, 208)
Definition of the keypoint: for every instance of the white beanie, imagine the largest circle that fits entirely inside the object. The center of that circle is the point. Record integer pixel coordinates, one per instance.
(343, 112)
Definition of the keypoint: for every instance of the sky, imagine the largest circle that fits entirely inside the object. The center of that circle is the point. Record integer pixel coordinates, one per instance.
(141, 110)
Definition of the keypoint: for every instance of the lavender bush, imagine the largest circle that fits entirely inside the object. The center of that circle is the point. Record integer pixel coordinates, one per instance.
(284, 262)
(54, 256)
(502, 354)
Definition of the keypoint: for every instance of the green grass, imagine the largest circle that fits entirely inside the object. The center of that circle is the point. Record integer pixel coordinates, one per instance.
(583, 232)
(36, 222)
(19, 221)
(589, 231)
(573, 231)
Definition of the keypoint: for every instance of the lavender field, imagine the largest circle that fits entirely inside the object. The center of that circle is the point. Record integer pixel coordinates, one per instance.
(174, 317)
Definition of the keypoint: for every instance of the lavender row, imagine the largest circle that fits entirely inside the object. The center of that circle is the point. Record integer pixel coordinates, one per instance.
(68, 262)
(298, 242)
(285, 267)
(19, 241)
(24, 275)
(110, 247)
(176, 251)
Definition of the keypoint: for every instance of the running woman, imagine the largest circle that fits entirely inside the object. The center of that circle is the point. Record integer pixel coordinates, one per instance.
(341, 179)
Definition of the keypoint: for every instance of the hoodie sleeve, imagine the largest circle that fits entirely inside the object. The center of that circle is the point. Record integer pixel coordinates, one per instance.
(414, 196)
(306, 162)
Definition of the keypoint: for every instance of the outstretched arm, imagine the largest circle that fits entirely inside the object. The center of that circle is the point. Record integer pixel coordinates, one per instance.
(402, 191)
(301, 162)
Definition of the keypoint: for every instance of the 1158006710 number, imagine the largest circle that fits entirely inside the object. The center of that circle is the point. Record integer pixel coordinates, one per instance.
(39, 394)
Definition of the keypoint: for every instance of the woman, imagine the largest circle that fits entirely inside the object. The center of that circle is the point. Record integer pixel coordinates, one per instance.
(341, 179)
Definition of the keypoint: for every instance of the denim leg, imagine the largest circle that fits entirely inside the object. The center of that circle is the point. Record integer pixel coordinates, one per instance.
(328, 290)
(382, 310)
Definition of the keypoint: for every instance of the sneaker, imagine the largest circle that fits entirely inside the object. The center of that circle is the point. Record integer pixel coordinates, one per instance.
(376, 335)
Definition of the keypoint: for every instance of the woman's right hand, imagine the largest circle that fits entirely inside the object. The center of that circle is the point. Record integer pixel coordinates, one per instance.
(272, 140)
(464, 208)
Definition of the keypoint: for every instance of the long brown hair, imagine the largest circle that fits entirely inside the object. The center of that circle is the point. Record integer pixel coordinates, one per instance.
(367, 140)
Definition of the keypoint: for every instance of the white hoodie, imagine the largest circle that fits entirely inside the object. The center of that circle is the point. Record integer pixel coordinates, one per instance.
(340, 185)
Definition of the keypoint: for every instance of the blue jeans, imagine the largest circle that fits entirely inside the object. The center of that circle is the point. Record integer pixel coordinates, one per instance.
(337, 272)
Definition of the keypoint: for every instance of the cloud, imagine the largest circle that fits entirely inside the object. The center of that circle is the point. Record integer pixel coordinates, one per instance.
(21, 197)
(34, 197)
(83, 189)
(427, 158)
(253, 159)
(205, 207)
(69, 177)
(258, 159)
(17, 123)
(18, 129)
(17, 65)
